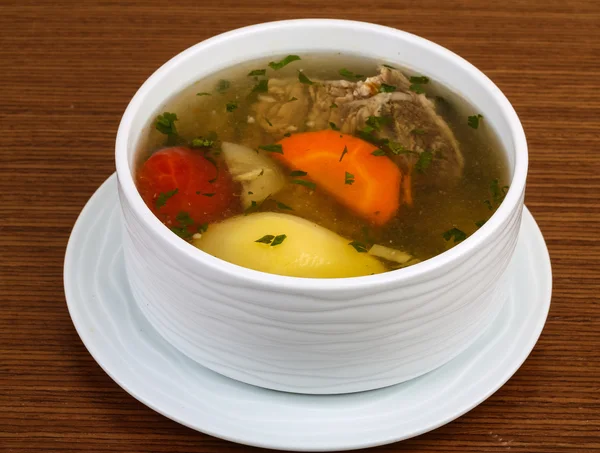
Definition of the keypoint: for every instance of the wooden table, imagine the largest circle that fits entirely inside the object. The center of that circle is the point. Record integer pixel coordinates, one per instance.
(68, 72)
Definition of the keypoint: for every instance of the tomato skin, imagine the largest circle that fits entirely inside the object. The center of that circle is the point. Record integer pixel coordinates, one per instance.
(192, 175)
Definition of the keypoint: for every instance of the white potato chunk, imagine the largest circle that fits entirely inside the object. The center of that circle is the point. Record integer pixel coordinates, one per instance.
(259, 175)
(308, 250)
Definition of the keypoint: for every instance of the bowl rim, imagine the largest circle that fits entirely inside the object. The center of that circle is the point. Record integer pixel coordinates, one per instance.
(300, 284)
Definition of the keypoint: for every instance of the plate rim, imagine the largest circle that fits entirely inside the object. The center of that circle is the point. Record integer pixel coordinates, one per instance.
(544, 269)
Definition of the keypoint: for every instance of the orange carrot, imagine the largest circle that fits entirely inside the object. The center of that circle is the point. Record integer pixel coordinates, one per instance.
(345, 167)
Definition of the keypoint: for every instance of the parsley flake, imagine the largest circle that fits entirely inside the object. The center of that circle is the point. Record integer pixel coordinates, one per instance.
(268, 122)
(311, 185)
(202, 228)
(379, 152)
(280, 64)
(165, 123)
(474, 120)
(203, 93)
(257, 72)
(201, 142)
(349, 74)
(261, 87)
(298, 173)
(419, 79)
(278, 240)
(418, 132)
(349, 179)
(184, 218)
(181, 232)
(223, 85)
(480, 223)
(303, 79)
(358, 246)
(416, 88)
(284, 206)
(424, 161)
(266, 239)
(455, 233)
(333, 126)
(344, 152)
(277, 148)
(231, 106)
(162, 198)
(333, 105)
(385, 88)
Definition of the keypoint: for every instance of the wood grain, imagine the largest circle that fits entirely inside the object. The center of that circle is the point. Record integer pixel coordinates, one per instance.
(68, 72)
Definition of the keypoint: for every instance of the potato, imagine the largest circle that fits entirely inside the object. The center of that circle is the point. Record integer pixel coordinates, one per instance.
(308, 250)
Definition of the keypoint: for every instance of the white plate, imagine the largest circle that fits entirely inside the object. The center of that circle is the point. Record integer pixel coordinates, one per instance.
(139, 360)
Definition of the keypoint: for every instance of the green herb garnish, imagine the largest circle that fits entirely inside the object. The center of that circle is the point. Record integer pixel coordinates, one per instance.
(498, 193)
(480, 223)
(250, 193)
(203, 93)
(488, 203)
(202, 228)
(261, 87)
(287, 134)
(333, 105)
(280, 64)
(184, 218)
(349, 179)
(208, 194)
(311, 185)
(418, 132)
(474, 120)
(165, 123)
(377, 121)
(419, 79)
(223, 85)
(385, 88)
(298, 173)
(201, 142)
(257, 72)
(303, 79)
(358, 246)
(417, 88)
(397, 148)
(388, 66)
(424, 161)
(231, 106)
(268, 122)
(283, 206)
(344, 152)
(253, 207)
(333, 126)
(266, 239)
(455, 233)
(349, 74)
(278, 240)
(379, 152)
(162, 198)
(182, 232)
(272, 148)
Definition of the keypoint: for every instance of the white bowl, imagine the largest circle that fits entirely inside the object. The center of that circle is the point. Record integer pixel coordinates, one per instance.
(318, 335)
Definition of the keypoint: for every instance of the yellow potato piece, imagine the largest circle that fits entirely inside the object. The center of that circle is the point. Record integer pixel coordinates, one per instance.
(309, 250)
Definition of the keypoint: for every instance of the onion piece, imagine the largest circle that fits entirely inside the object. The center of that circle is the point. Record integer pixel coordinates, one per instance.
(390, 254)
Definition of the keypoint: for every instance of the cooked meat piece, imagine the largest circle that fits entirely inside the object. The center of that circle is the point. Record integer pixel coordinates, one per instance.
(414, 123)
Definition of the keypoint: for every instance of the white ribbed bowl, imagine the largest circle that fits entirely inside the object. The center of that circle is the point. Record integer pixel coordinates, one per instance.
(318, 335)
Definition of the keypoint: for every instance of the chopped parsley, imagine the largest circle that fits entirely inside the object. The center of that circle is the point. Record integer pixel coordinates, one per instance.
(488, 203)
(231, 106)
(419, 79)
(257, 72)
(201, 142)
(182, 232)
(162, 198)
(184, 218)
(303, 79)
(377, 121)
(474, 120)
(333, 105)
(266, 239)
(253, 207)
(261, 87)
(268, 122)
(385, 88)
(344, 153)
(358, 246)
(480, 223)
(284, 206)
(280, 64)
(397, 148)
(223, 85)
(418, 132)
(455, 233)
(278, 240)
(272, 240)
(298, 173)
(424, 161)
(287, 134)
(388, 66)
(250, 193)
(379, 152)
(349, 179)
(272, 148)
(203, 93)
(333, 126)
(349, 74)
(165, 123)
(202, 228)
(208, 194)
(416, 88)
(311, 185)
(498, 193)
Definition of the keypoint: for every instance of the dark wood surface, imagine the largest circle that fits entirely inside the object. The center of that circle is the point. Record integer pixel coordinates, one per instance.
(68, 72)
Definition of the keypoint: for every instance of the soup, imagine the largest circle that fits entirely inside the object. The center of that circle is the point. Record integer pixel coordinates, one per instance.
(321, 166)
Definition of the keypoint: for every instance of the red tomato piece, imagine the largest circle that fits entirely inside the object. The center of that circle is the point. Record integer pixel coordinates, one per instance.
(185, 189)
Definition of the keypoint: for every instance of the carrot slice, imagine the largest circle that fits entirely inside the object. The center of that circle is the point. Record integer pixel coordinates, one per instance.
(368, 185)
